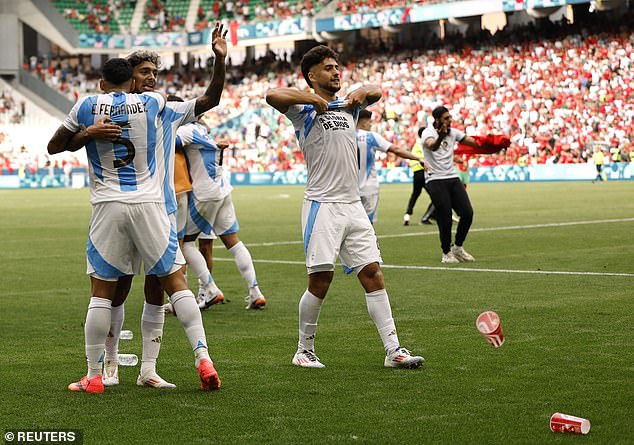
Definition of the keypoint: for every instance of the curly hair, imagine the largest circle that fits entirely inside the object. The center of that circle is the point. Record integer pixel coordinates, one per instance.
(314, 57)
(143, 55)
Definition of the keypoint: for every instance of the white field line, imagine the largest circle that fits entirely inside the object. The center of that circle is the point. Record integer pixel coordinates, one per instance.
(461, 269)
(483, 229)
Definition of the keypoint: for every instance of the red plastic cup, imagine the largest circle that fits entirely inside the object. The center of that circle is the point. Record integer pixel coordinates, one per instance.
(488, 323)
(564, 423)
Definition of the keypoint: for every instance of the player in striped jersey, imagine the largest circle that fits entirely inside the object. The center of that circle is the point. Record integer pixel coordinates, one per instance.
(368, 143)
(211, 208)
(158, 157)
(333, 220)
(145, 70)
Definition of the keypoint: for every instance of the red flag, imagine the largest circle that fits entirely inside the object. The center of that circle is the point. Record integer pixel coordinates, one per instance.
(233, 30)
(489, 144)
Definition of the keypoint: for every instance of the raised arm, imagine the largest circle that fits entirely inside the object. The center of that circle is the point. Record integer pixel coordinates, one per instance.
(211, 98)
(282, 98)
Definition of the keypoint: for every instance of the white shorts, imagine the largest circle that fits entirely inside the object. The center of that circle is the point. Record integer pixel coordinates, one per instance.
(122, 235)
(371, 206)
(208, 217)
(181, 214)
(212, 236)
(332, 230)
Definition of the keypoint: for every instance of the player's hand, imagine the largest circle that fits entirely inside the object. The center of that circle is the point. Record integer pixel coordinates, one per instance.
(104, 129)
(218, 40)
(320, 104)
(357, 97)
(443, 130)
(222, 143)
(422, 162)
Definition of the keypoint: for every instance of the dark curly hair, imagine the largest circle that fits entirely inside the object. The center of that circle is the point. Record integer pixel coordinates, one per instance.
(314, 57)
(116, 71)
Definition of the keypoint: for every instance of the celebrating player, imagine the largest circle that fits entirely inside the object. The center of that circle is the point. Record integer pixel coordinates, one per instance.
(130, 221)
(333, 220)
(211, 209)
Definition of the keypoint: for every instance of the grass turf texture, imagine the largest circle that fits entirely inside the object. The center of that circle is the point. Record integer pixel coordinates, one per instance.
(568, 338)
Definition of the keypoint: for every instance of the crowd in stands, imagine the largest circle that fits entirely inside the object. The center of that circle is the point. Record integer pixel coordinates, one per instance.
(160, 18)
(557, 97)
(360, 6)
(11, 110)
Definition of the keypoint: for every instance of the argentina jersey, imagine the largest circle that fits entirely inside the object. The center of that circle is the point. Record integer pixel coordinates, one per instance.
(368, 142)
(329, 144)
(204, 159)
(138, 167)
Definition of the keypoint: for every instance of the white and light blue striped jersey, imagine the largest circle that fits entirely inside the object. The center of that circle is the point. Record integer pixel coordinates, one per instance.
(204, 159)
(139, 167)
(368, 142)
(329, 144)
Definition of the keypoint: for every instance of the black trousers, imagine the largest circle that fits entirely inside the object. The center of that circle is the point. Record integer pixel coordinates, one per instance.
(447, 194)
(419, 185)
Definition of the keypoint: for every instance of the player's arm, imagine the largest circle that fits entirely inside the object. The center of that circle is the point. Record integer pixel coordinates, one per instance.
(468, 140)
(282, 98)
(403, 153)
(367, 94)
(211, 98)
(104, 129)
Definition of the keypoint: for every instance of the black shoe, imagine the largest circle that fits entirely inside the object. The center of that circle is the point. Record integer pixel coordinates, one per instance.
(425, 221)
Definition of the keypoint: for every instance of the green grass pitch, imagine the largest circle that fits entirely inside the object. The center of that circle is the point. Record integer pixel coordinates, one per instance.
(569, 337)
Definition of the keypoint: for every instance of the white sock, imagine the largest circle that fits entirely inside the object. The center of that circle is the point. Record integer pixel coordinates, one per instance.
(381, 314)
(188, 314)
(198, 265)
(152, 321)
(112, 340)
(309, 308)
(244, 262)
(95, 332)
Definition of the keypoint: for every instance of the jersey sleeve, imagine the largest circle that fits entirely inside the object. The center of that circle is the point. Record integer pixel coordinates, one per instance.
(185, 135)
(184, 110)
(428, 133)
(302, 117)
(379, 143)
(72, 122)
(160, 100)
(459, 135)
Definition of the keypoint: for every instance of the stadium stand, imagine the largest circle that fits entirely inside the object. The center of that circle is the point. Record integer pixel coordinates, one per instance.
(513, 83)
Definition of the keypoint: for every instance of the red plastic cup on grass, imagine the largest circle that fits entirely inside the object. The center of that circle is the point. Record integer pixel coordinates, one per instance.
(488, 323)
(564, 423)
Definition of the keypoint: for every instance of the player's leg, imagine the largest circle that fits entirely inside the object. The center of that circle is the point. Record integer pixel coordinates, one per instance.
(206, 248)
(462, 205)
(190, 318)
(360, 251)
(108, 258)
(322, 232)
(96, 330)
(417, 188)
(152, 322)
(208, 292)
(111, 359)
(441, 197)
(226, 226)
(154, 234)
